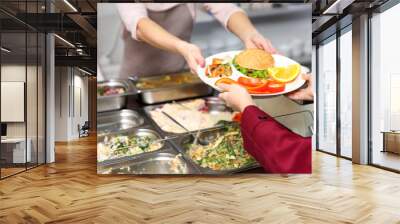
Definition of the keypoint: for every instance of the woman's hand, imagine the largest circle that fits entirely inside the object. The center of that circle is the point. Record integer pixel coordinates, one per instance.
(241, 25)
(303, 94)
(235, 96)
(192, 55)
(153, 34)
(256, 40)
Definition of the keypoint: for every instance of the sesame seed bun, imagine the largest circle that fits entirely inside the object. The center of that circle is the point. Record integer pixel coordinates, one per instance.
(255, 59)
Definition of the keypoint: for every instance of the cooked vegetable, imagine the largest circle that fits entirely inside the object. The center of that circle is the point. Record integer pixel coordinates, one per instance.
(218, 69)
(224, 152)
(123, 145)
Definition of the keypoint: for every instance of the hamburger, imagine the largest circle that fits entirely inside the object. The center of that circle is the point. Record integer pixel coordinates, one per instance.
(254, 63)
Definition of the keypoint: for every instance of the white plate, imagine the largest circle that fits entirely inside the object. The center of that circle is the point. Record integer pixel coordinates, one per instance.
(229, 55)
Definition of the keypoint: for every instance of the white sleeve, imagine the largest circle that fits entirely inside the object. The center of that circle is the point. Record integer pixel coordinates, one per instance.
(222, 11)
(130, 14)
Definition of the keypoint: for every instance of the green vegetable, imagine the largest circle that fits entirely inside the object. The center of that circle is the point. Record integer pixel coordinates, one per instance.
(143, 143)
(122, 145)
(243, 70)
(259, 74)
(263, 74)
(224, 152)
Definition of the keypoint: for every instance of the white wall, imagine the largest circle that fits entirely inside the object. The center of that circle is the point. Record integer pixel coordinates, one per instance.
(80, 108)
(61, 103)
(12, 101)
(82, 82)
(33, 126)
(70, 83)
(14, 73)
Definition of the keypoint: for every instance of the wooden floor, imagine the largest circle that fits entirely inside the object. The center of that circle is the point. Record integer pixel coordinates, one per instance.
(70, 191)
(10, 171)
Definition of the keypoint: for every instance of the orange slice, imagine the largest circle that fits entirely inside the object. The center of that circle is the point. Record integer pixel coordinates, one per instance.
(283, 74)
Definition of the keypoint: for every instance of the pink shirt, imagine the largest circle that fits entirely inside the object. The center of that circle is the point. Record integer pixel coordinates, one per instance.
(131, 13)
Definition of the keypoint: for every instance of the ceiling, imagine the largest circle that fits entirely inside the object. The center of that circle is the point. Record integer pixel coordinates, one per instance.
(75, 22)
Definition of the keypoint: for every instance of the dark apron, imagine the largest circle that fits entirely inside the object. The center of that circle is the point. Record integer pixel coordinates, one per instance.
(142, 59)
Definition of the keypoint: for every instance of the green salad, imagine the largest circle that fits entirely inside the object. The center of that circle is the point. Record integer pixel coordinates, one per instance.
(132, 145)
(262, 74)
(222, 153)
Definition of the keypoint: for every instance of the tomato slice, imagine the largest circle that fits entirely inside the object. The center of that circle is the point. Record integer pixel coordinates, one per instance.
(225, 81)
(268, 87)
(255, 86)
(275, 86)
(250, 82)
(259, 88)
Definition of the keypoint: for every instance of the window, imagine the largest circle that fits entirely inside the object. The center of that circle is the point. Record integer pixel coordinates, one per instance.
(385, 89)
(327, 96)
(22, 75)
(346, 93)
(15, 150)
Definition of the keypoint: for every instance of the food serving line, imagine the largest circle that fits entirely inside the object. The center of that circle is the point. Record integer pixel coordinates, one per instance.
(133, 108)
(171, 124)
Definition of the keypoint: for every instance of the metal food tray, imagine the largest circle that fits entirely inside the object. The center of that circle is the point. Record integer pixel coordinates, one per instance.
(147, 110)
(117, 101)
(146, 130)
(180, 143)
(170, 92)
(214, 105)
(154, 163)
(115, 121)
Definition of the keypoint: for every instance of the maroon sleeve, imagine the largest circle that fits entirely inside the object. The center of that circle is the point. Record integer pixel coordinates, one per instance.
(276, 148)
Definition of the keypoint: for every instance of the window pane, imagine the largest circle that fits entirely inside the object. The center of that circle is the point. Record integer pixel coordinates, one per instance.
(31, 97)
(41, 98)
(385, 85)
(345, 94)
(14, 153)
(327, 97)
(23, 87)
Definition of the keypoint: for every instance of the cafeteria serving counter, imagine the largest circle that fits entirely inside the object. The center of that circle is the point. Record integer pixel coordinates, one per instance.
(172, 156)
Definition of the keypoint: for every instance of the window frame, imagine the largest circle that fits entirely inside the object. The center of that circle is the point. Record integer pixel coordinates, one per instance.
(378, 10)
(26, 30)
(333, 37)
